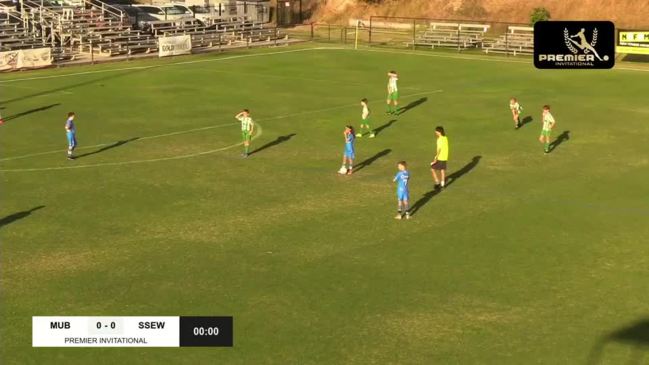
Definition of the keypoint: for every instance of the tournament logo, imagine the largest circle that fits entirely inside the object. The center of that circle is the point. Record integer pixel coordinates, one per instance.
(574, 44)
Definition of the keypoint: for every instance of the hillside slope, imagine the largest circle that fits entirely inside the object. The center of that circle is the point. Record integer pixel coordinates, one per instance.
(625, 13)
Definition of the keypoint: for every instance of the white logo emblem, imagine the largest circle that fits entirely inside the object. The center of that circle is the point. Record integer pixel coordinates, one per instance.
(582, 44)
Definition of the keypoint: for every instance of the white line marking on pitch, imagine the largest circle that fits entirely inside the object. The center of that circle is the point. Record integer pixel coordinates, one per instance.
(190, 62)
(121, 163)
(38, 89)
(106, 144)
(274, 76)
(154, 66)
(469, 58)
(177, 133)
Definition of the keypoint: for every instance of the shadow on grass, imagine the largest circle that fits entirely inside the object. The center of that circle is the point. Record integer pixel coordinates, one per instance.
(27, 112)
(528, 119)
(423, 201)
(109, 76)
(108, 147)
(18, 216)
(278, 140)
(635, 335)
(564, 136)
(384, 126)
(371, 160)
(412, 105)
(464, 170)
(450, 180)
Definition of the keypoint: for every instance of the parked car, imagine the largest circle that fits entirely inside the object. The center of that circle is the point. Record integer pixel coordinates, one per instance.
(138, 19)
(166, 12)
(201, 13)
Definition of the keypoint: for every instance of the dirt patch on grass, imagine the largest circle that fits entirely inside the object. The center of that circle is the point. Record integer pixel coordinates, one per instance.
(448, 321)
(58, 263)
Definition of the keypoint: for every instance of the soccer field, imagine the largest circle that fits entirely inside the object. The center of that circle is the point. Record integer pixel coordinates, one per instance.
(523, 258)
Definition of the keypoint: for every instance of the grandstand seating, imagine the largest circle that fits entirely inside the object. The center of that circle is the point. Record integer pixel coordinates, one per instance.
(181, 26)
(91, 27)
(15, 35)
(517, 41)
(453, 35)
(234, 31)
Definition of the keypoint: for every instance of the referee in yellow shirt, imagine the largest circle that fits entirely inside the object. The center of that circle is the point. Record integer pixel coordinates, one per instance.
(439, 163)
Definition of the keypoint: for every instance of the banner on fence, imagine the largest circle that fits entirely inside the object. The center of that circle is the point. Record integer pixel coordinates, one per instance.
(25, 58)
(176, 45)
(633, 41)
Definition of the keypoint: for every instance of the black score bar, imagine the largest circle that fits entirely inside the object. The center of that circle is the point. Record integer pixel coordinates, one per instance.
(206, 331)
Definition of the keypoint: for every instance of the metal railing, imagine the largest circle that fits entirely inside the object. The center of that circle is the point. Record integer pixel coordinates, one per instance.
(106, 9)
(459, 35)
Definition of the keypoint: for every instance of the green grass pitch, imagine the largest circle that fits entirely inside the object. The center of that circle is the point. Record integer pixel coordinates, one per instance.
(524, 258)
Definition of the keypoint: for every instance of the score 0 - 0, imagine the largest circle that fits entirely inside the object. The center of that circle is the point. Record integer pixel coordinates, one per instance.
(105, 325)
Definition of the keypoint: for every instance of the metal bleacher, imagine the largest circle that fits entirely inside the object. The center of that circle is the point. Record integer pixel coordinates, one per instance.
(517, 41)
(82, 28)
(231, 31)
(452, 35)
(15, 34)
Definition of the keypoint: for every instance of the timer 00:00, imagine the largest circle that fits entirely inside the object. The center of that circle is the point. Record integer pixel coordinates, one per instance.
(209, 331)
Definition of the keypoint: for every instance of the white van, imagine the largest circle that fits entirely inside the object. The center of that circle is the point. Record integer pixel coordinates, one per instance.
(199, 12)
(166, 12)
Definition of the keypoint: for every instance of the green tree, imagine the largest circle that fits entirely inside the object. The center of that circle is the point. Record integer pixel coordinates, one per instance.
(539, 14)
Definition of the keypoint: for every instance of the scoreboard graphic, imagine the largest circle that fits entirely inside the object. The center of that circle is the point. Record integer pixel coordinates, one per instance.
(633, 42)
(132, 331)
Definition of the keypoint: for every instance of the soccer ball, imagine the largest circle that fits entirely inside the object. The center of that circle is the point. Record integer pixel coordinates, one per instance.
(342, 171)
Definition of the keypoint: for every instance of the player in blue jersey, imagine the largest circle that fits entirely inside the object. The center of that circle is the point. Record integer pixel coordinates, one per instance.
(349, 155)
(403, 194)
(71, 132)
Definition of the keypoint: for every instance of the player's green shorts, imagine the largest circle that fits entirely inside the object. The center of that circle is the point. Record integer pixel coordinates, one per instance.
(365, 121)
(545, 133)
(394, 96)
(246, 135)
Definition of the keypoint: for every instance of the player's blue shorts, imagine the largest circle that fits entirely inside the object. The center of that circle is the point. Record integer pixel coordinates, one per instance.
(403, 194)
(72, 140)
(349, 152)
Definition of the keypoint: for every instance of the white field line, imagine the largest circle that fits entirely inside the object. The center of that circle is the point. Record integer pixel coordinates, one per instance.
(401, 52)
(468, 58)
(177, 133)
(282, 77)
(153, 66)
(121, 163)
(190, 62)
(106, 144)
(38, 89)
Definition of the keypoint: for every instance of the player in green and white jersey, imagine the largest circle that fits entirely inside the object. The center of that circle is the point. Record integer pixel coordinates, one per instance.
(365, 121)
(247, 128)
(393, 93)
(516, 109)
(548, 124)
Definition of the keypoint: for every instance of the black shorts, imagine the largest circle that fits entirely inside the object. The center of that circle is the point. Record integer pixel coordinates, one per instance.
(439, 165)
